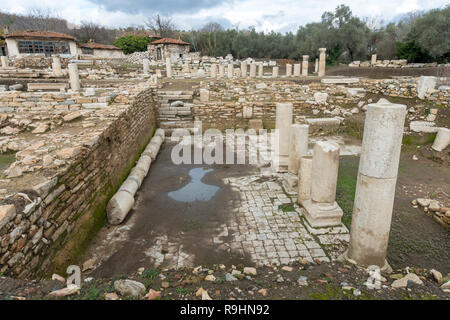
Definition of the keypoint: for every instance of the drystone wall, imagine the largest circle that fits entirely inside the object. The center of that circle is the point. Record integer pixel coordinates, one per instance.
(44, 228)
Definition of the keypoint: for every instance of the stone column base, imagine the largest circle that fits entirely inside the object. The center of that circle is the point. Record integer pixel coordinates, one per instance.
(386, 269)
(322, 214)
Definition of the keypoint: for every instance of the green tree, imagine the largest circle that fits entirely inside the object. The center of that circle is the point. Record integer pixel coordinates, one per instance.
(130, 44)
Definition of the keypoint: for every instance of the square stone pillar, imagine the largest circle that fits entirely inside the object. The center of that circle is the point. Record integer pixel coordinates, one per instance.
(375, 186)
(244, 69)
(56, 66)
(260, 69)
(283, 121)
(74, 77)
(305, 66)
(288, 70)
(168, 68)
(297, 68)
(146, 66)
(275, 72)
(322, 210)
(230, 71)
(221, 70)
(304, 179)
(5, 62)
(373, 60)
(253, 70)
(322, 61)
(213, 70)
(298, 145)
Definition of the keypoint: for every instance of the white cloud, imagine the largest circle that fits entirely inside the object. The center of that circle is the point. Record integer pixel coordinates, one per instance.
(265, 15)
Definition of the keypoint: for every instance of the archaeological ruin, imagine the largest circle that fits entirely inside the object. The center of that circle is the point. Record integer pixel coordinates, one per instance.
(306, 166)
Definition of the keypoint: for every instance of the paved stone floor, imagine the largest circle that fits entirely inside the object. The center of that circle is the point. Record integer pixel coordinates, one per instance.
(263, 223)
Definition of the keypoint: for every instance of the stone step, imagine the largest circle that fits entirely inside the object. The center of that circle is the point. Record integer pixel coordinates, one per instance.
(47, 86)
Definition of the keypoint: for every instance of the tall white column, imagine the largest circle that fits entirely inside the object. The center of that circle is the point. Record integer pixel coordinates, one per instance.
(305, 66)
(288, 70)
(244, 69)
(316, 66)
(230, 70)
(373, 60)
(322, 61)
(298, 145)
(213, 70)
(145, 66)
(252, 70)
(304, 179)
(275, 72)
(74, 77)
(375, 187)
(297, 68)
(260, 69)
(284, 112)
(322, 210)
(168, 68)
(56, 66)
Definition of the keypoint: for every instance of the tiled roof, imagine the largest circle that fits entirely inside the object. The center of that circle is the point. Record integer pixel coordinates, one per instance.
(93, 45)
(39, 34)
(169, 41)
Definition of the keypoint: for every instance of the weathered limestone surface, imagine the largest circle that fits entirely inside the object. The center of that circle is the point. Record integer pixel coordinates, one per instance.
(322, 210)
(146, 66)
(304, 179)
(322, 61)
(297, 68)
(305, 64)
(298, 145)
(424, 84)
(275, 72)
(74, 77)
(288, 70)
(168, 68)
(442, 139)
(375, 189)
(244, 69)
(252, 70)
(283, 125)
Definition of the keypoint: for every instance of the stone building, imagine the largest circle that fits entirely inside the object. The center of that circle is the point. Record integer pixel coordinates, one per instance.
(42, 42)
(168, 48)
(99, 50)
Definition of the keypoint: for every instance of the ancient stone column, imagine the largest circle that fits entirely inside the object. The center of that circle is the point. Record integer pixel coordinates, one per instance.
(322, 61)
(146, 66)
(74, 77)
(305, 66)
(322, 210)
(230, 70)
(297, 68)
(221, 70)
(168, 68)
(275, 72)
(298, 145)
(373, 60)
(316, 66)
(288, 70)
(283, 125)
(253, 70)
(442, 139)
(56, 66)
(375, 187)
(260, 69)
(304, 179)
(243, 69)
(4, 60)
(213, 70)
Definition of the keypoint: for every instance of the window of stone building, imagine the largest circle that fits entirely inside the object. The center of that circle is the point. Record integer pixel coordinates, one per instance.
(87, 50)
(46, 47)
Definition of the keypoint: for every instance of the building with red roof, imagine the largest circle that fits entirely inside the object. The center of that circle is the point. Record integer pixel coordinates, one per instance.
(99, 50)
(164, 48)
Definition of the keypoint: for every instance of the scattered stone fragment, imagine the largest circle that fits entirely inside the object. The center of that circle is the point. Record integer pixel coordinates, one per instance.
(129, 288)
(403, 282)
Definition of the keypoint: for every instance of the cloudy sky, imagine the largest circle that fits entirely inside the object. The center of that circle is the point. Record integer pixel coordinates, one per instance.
(264, 15)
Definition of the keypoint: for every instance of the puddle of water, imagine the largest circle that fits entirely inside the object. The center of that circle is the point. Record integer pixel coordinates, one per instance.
(195, 190)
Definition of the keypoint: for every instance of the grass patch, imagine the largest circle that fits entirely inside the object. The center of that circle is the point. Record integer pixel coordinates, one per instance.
(150, 274)
(287, 207)
(190, 225)
(346, 187)
(416, 140)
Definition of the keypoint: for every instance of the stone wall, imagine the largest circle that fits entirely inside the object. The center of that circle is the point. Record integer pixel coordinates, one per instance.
(44, 228)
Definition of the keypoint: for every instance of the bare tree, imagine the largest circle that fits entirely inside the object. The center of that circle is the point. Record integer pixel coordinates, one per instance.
(163, 26)
(212, 27)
